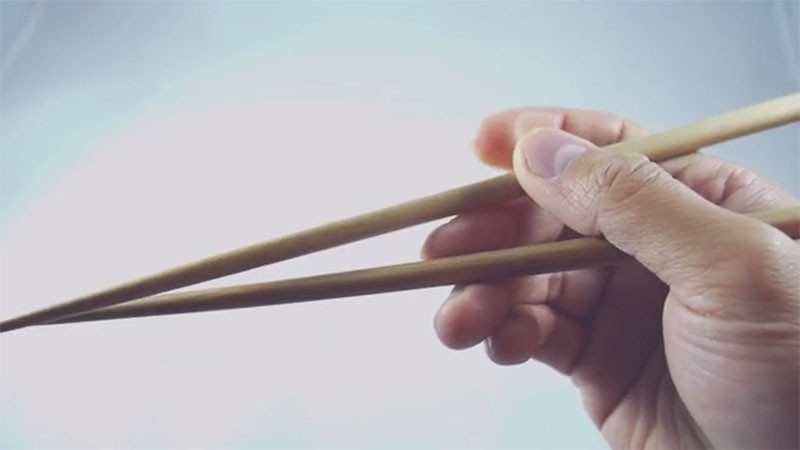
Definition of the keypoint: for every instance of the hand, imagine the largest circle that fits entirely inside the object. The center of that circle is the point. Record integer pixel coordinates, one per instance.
(694, 343)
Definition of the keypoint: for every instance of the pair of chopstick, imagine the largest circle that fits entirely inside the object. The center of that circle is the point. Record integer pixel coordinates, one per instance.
(472, 268)
(477, 267)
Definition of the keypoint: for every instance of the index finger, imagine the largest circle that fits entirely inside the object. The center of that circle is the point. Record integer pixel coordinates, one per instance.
(497, 134)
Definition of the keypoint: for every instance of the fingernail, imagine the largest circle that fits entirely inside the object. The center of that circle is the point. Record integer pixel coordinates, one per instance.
(535, 119)
(457, 289)
(548, 154)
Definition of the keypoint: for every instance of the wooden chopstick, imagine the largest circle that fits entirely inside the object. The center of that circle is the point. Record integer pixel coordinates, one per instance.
(676, 142)
(476, 267)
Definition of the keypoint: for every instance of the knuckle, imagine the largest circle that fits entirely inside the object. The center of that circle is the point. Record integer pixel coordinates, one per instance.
(734, 179)
(613, 131)
(620, 180)
(602, 185)
(722, 181)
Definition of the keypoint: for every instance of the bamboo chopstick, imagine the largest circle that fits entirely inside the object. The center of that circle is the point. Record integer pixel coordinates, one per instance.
(676, 142)
(476, 267)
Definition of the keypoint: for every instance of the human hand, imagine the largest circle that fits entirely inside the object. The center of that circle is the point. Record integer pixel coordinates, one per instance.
(695, 342)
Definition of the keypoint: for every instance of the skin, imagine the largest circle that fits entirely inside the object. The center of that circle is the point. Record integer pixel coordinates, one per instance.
(695, 342)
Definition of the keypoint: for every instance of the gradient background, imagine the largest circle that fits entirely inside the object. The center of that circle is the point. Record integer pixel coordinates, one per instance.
(140, 135)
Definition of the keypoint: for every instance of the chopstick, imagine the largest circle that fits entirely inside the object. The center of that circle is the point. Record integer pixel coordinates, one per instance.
(534, 259)
(669, 144)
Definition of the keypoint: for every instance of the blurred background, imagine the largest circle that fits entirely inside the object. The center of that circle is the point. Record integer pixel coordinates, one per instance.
(138, 135)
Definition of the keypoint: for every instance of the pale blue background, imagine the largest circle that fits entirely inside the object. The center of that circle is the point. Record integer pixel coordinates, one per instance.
(138, 135)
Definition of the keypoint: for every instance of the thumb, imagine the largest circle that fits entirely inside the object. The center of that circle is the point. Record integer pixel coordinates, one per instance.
(681, 237)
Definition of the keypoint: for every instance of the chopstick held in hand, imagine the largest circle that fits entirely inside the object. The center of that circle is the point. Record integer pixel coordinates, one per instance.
(464, 269)
(672, 143)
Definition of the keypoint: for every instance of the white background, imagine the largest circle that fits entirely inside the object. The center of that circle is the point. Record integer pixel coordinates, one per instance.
(139, 135)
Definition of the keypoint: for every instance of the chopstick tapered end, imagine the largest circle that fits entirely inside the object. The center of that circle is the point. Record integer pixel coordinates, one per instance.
(11, 325)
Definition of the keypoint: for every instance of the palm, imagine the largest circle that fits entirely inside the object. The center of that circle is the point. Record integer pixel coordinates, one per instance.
(622, 373)
(620, 368)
